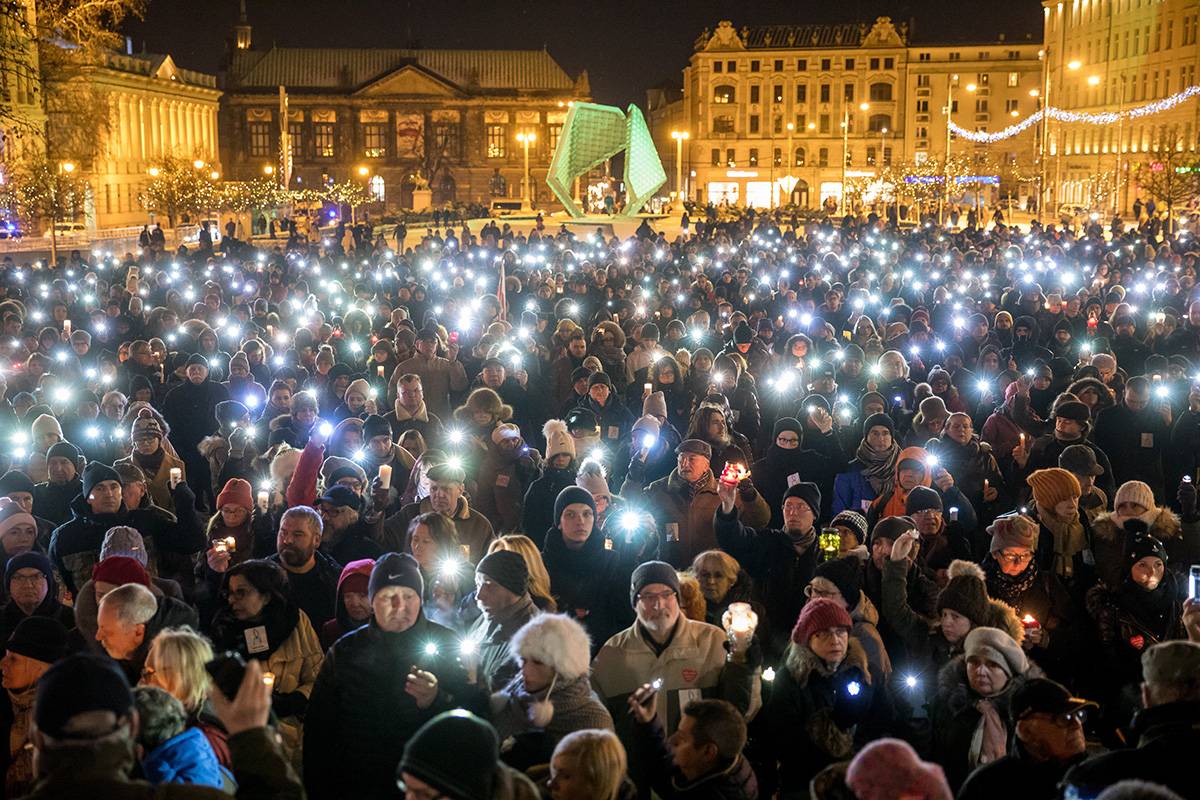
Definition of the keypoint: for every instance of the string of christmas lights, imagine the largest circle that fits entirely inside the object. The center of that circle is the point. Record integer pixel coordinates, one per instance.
(1103, 118)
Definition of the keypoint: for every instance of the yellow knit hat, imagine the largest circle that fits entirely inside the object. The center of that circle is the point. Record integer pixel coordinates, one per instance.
(1053, 486)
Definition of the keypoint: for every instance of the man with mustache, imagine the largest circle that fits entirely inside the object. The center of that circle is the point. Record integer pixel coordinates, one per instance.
(312, 575)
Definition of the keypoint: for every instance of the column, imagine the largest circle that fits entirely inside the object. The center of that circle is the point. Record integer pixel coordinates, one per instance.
(141, 117)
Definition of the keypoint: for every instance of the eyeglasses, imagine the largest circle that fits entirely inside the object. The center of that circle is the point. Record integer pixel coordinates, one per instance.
(1064, 720)
(784, 441)
(1015, 558)
(655, 598)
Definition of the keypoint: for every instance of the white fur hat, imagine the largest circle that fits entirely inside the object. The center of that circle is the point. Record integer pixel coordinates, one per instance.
(557, 641)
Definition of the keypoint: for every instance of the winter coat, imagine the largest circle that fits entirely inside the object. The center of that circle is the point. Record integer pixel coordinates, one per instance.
(1168, 736)
(428, 425)
(779, 469)
(171, 613)
(851, 490)
(158, 483)
(52, 501)
(866, 630)
(75, 545)
(473, 529)
(954, 718)
(102, 769)
(892, 504)
(190, 411)
(590, 584)
(537, 515)
(1043, 454)
(503, 480)
(1135, 442)
(187, 758)
(809, 721)
(779, 572)
(497, 665)
(86, 607)
(970, 464)
(314, 591)
(693, 665)
(735, 781)
(439, 377)
(341, 623)
(1065, 642)
(685, 515)
(224, 465)
(359, 696)
(614, 418)
(1017, 775)
(1108, 544)
(576, 707)
(11, 615)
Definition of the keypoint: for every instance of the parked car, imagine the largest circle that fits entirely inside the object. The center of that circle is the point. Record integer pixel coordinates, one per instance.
(65, 229)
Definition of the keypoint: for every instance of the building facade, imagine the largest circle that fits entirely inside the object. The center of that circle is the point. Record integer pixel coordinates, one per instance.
(156, 111)
(394, 119)
(776, 102)
(1106, 56)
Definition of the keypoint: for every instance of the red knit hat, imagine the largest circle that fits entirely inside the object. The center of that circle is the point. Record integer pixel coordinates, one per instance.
(819, 614)
(120, 570)
(237, 492)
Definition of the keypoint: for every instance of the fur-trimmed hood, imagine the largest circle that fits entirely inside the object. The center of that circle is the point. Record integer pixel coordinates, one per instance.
(955, 691)
(1164, 525)
(214, 446)
(802, 662)
(998, 613)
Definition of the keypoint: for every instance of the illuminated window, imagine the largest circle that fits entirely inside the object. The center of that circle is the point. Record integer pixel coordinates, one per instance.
(375, 140)
(497, 141)
(323, 139)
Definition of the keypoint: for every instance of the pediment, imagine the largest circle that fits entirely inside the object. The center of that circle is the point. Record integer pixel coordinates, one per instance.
(410, 80)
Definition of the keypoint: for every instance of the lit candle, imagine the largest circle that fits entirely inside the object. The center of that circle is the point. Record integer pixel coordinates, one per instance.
(67, 327)
(268, 680)
(230, 543)
(385, 476)
(741, 619)
(379, 370)
(1028, 622)
(176, 476)
(647, 387)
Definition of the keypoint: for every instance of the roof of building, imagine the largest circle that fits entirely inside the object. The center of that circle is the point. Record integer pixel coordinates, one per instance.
(351, 68)
(846, 35)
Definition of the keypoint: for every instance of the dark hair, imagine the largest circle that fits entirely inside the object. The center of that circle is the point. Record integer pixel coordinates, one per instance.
(440, 527)
(720, 724)
(266, 577)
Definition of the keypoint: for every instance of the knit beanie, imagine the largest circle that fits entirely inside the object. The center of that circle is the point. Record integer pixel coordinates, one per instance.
(819, 614)
(558, 440)
(30, 559)
(889, 768)
(1052, 486)
(334, 468)
(649, 572)
(569, 495)
(922, 498)
(122, 540)
(375, 425)
(236, 492)
(854, 521)
(120, 570)
(77, 684)
(655, 405)
(891, 528)
(395, 569)
(880, 420)
(64, 450)
(196, 359)
(15, 481)
(806, 491)
(1013, 530)
(228, 412)
(1135, 492)
(146, 424)
(360, 387)
(40, 638)
(594, 482)
(1143, 545)
(440, 749)
(45, 424)
(646, 424)
(95, 473)
(787, 424)
(998, 647)
(505, 430)
(846, 574)
(507, 568)
(965, 592)
(12, 515)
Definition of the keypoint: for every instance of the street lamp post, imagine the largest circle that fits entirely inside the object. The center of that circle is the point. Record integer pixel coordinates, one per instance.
(526, 138)
(945, 195)
(846, 147)
(680, 137)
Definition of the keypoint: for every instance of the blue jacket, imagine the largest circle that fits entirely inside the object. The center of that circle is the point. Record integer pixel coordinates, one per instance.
(851, 489)
(186, 758)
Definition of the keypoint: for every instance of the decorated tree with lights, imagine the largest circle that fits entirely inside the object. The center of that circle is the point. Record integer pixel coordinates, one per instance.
(253, 195)
(46, 191)
(177, 188)
(1170, 174)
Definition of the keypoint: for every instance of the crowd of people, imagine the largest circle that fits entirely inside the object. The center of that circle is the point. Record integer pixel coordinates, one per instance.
(756, 510)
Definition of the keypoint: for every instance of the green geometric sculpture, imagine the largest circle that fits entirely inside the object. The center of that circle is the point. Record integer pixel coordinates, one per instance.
(593, 133)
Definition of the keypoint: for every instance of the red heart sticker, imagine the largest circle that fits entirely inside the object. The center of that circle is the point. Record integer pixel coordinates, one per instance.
(1138, 641)
(690, 675)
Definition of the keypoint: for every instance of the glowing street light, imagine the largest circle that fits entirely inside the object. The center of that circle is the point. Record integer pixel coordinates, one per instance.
(154, 172)
(680, 137)
(1074, 64)
(526, 138)
(268, 169)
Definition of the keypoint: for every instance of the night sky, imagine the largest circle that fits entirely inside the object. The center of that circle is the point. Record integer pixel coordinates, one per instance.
(626, 46)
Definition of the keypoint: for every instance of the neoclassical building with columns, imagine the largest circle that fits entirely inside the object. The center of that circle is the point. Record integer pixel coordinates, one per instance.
(157, 110)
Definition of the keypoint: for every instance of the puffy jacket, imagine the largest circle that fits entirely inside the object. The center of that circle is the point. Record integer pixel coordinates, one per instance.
(955, 718)
(590, 584)
(186, 758)
(158, 484)
(503, 480)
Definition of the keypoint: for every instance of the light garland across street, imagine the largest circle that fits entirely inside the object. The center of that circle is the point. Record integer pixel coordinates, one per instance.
(1103, 118)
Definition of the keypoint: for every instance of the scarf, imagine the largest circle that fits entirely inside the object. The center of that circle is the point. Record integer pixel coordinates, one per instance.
(1069, 539)
(19, 779)
(879, 468)
(802, 541)
(1008, 588)
(402, 415)
(1155, 609)
(150, 464)
(279, 620)
(990, 742)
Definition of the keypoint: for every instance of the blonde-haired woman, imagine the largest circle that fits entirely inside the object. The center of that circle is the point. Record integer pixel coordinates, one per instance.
(588, 765)
(175, 663)
(539, 578)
